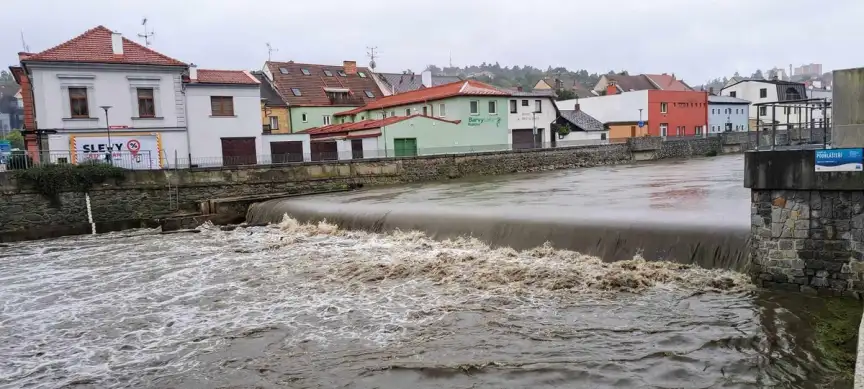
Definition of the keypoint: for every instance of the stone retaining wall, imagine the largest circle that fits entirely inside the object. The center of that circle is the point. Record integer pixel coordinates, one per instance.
(145, 195)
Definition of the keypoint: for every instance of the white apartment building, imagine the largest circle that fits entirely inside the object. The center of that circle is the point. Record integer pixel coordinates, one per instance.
(100, 94)
(771, 91)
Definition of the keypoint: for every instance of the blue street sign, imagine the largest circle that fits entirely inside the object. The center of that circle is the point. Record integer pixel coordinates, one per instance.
(641, 124)
(840, 160)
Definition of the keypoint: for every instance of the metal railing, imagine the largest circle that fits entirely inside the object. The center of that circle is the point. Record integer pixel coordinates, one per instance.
(142, 160)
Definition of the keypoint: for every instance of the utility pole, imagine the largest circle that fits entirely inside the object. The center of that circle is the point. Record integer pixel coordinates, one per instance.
(371, 54)
(147, 34)
(270, 51)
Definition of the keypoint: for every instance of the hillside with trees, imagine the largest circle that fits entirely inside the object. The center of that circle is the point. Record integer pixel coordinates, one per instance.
(516, 76)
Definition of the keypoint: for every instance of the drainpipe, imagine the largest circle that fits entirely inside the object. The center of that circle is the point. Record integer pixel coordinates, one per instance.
(186, 114)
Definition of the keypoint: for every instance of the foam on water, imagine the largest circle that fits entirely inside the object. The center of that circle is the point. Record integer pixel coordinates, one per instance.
(121, 309)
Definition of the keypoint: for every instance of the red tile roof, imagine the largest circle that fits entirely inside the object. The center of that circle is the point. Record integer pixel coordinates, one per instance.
(94, 46)
(667, 82)
(461, 88)
(210, 76)
(312, 86)
(367, 125)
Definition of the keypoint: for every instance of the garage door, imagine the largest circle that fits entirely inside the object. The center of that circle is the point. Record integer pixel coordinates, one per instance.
(238, 151)
(405, 147)
(286, 151)
(324, 151)
(524, 139)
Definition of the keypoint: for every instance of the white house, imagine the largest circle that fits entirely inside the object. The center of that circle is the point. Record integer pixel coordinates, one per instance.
(100, 94)
(728, 114)
(771, 91)
(527, 111)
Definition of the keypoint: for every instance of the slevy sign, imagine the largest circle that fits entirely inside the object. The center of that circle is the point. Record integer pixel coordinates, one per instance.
(840, 160)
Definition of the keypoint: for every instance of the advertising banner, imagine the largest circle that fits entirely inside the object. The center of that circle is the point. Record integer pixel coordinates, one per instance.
(840, 160)
(126, 151)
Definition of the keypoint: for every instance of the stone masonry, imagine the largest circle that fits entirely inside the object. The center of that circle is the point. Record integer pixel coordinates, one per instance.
(808, 240)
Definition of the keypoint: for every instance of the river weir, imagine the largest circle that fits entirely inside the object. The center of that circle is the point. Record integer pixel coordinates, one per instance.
(312, 305)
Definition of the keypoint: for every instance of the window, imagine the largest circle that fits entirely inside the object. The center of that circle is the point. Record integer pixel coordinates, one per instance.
(493, 107)
(326, 120)
(342, 73)
(664, 128)
(538, 106)
(407, 111)
(602, 136)
(328, 73)
(369, 94)
(283, 70)
(78, 103)
(733, 94)
(392, 113)
(513, 106)
(361, 74)
(698, 130)
(296, 92)
(146, 107)
(763, 111)
(222, 105)
(475, 107)
(306, 72)
(442, 110)
(712, 111)
(424, 110)
(524, 103)
(274, 123)
(763, 93)
(664, 107)
(304, 118)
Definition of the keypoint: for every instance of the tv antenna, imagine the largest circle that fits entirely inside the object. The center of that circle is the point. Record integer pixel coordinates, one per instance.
(147, 34)
(371, 54)
(270, 51)
(24, 45)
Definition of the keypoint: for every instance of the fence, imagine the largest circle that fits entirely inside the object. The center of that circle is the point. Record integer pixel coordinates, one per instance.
(142, 160)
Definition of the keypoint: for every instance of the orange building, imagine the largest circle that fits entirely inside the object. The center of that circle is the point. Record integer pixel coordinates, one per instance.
(677, 113)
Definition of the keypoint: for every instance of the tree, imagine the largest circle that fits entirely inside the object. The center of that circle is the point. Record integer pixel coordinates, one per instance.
(16, 139)
(6, 77)
(758, 75)
(565, 94)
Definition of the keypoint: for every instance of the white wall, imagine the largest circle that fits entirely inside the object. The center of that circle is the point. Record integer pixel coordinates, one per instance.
(107, 85)
(623, 107)
(307, 149)
(584, 137)
(206, 131)
(750, 90)
(173, 152)
(523, 119)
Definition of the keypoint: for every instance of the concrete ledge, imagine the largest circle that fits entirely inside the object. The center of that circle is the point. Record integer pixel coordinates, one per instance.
(794, 170)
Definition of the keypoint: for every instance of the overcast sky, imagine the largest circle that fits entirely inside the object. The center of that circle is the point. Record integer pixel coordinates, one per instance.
(695, 39)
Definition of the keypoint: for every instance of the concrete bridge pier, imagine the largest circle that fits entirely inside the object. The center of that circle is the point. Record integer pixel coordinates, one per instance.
(807, 228)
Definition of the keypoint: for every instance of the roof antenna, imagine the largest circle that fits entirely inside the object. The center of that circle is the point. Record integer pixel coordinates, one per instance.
(270, 51)
(147, 34)
(372, 56)
(24, 43)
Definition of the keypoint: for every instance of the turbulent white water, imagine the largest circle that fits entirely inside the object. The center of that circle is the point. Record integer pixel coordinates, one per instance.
(295, 305)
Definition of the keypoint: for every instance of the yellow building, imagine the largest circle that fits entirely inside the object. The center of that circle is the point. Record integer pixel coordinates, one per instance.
(621, 131)
(274, 111)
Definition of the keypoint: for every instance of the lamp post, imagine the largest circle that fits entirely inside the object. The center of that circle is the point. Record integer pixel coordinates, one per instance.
(534, 133)
(108, 128)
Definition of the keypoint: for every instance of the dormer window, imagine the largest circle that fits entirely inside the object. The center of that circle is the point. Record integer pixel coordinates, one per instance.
(342, 73)
(338, 95)
(283, 70)
(328, 73)
(305, 72)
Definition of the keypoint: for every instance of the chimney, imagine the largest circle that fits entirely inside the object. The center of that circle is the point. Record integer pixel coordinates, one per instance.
(611, 88)
(519, 89)
(193, 72)
(350, 67)
(576, 106)
(711, 90)
(117, 43)
(426, 78)
(673, 76)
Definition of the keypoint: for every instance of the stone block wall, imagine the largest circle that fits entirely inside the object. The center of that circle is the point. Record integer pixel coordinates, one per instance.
(808, 240)
(690, 147)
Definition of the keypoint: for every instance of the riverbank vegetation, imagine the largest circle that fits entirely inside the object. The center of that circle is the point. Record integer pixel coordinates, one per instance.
(835, 326)
(50, 180)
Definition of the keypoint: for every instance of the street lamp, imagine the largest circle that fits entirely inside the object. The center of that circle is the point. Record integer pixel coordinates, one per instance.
(534, 121)
(108, 128)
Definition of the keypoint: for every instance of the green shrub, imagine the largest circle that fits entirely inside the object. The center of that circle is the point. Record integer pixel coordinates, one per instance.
(712, 153)
(50, 180)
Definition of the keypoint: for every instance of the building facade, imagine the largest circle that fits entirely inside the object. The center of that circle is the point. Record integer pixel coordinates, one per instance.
(527, 111)
(102, 96)
(452, 118)
(314, 94)
(727, 114)
(771, 91)
(660, 112)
